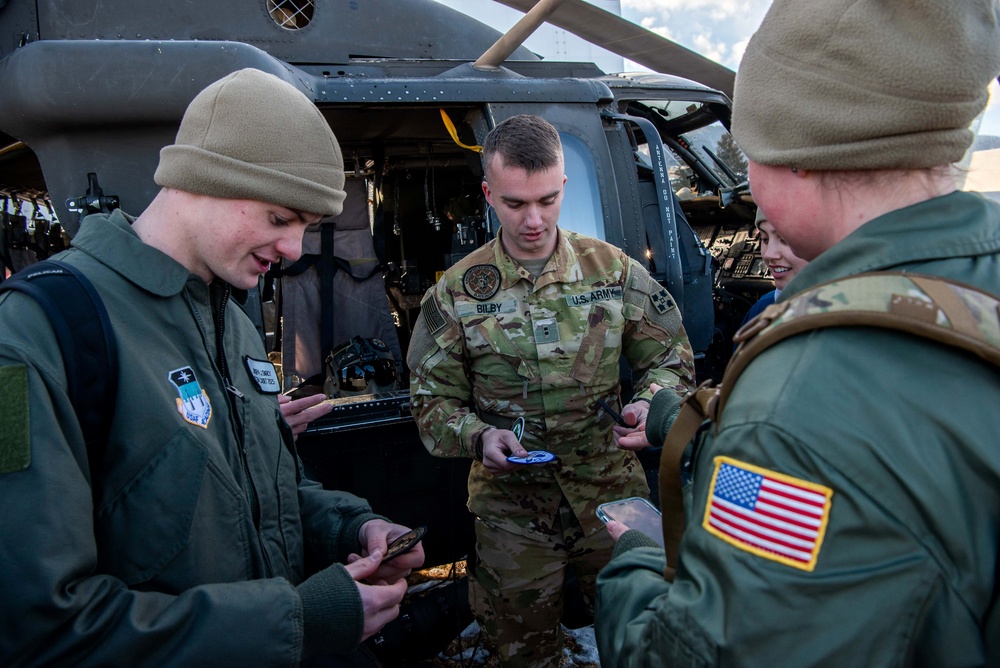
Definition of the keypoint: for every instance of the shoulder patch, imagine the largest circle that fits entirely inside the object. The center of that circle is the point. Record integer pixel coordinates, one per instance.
(481, 281)
(431, 311)
(767, 513)
(15, 424)
(662, 301)
(192, 401)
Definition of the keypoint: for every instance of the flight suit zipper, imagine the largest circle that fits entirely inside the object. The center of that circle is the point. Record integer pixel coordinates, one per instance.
(236, 400)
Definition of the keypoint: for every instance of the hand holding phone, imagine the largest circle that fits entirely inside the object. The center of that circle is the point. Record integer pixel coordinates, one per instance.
(635, 513)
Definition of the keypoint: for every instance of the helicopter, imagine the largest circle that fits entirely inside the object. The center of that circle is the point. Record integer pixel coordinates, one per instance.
(94, 89)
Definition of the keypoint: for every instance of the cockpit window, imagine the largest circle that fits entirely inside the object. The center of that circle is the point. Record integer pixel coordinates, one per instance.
(693, 132)
(719, 151)
(291, 14)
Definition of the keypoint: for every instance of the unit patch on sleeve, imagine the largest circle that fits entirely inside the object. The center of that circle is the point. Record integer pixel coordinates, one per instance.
(481, 281)
(192, 402)
(661, 301)
(263, 374)
(767, 513)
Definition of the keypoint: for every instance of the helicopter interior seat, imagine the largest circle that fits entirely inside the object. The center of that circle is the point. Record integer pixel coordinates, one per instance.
(360, 306)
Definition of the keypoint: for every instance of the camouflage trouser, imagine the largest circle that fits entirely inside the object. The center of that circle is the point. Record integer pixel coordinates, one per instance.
(516, 591)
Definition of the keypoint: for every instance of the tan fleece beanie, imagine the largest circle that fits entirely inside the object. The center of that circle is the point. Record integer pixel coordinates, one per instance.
(251, 135)
(865, 84)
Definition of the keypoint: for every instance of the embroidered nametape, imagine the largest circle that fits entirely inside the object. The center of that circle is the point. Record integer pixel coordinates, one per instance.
(264, 375)
(466, 309)
(767, 513)
(598, 295)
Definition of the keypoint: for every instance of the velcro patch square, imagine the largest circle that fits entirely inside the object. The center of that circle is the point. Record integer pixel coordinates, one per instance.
(15, 425)
(766, 513)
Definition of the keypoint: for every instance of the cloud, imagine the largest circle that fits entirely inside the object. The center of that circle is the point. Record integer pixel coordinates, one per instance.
(717, 51)
(739, 48)
(718, 29)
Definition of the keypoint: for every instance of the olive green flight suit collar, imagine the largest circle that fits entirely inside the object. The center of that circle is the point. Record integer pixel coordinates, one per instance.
(110, 239)
(914, 234)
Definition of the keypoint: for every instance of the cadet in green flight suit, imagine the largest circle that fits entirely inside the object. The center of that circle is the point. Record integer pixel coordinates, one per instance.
(185, 541)
(847, 511)
(533, 325)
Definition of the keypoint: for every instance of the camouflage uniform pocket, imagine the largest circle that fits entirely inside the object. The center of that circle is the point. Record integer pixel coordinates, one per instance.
(588, 356)
(491, 334)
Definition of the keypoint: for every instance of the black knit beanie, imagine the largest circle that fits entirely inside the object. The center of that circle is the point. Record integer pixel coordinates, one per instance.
(251, 135)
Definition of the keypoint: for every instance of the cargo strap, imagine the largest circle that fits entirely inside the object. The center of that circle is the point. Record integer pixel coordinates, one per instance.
(927, 306)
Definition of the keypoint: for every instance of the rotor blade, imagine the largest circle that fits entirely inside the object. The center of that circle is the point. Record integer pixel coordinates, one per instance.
(634, 42)
(514, 37)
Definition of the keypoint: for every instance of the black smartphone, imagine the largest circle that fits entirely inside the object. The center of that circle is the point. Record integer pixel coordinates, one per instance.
(404, 543)
(635, 513)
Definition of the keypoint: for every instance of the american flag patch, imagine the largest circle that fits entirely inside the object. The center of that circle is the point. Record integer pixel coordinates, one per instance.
(767, 513)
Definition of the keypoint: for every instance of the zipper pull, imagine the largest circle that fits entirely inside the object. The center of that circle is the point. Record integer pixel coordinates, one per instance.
(232, 390)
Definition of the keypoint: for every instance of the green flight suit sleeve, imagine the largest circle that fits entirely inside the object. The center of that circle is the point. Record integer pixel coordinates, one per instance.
(331, 521)
(629, 591)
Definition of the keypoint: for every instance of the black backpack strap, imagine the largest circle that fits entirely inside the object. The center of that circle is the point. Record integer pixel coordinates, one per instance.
(89, 348)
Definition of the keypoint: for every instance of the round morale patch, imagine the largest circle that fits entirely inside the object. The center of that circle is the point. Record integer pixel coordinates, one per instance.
(482, 281)
(534, 457)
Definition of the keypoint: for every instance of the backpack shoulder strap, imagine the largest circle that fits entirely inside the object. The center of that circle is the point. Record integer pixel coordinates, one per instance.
(89, 348)
(928, 306)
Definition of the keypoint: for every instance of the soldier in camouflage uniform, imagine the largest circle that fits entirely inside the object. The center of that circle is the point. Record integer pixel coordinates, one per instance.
(533, 325)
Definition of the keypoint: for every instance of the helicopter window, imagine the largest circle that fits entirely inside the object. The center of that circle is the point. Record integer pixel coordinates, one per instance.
(291, 14)
(696, 134)
(581, 209)
(681, 176)
(719, 151)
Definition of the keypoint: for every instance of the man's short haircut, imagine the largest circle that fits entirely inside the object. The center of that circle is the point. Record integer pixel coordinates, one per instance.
(525, 141)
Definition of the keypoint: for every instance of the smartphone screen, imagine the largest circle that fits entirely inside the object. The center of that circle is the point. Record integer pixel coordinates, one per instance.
(635, 513)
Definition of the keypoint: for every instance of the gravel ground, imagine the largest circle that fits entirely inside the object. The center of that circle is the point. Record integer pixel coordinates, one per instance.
(471, 650)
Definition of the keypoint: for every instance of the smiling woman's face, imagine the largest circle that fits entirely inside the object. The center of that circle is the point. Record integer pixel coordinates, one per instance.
(783, 263)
